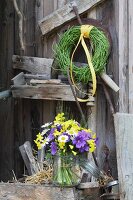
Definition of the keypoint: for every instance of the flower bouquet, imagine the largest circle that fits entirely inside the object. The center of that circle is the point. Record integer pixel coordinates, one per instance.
(66, 140)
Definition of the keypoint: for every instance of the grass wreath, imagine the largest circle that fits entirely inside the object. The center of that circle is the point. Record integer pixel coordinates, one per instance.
(100, 51)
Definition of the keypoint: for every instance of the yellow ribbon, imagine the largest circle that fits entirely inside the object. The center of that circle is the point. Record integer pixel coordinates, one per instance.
(85, 32)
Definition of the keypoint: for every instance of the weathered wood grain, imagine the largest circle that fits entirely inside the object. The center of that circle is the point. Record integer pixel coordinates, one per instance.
(6, 106)
(36, 76)
(19, 79)
(35, 192)
(124, 143)
(108, 14)
(34, 65)
(65, 14)
(109, 82)
(25, 159)
(130, 51)
(32, 161)
(123, 54)
(23, 124)
(47, 91)
(48, 108)
(50, 81)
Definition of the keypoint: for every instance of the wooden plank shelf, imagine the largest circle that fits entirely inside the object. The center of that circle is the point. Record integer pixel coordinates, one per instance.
(38, 87)
(45, 91)
(52, 89)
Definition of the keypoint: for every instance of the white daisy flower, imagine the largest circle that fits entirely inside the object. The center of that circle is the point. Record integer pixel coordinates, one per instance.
(45, 142)
(63, 138)
(46, 125)
(44, 131)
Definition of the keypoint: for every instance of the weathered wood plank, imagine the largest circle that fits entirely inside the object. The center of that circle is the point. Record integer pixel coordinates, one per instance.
(108, 14)
(36, 76)
(130, 51)
(6, 106)
(33, 164)
(23, 126)
(109, 82)
(50, 81)
(25, 159)
(34, 65)
(123, 54)
(27, 192)
(65, 14)
(19, 79)
(47, 91)
(124, 143)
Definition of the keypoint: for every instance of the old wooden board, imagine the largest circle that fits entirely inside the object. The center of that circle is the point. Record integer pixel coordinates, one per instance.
(34, 65)
(19, 79)
(122, 7)
(47, 91)
(24, 122)
(27, 192)
(130, 45)
(65, 14)
(124, 143)
(6, 106)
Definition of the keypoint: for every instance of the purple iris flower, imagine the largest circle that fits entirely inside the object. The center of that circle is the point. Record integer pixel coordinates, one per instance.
(59, 127)
(85, 135)
(97, 141)
(79, 141)
(51, 135)
(53, 148)
(84, 148)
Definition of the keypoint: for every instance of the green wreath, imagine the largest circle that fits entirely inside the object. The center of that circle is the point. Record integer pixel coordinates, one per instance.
(100, 47)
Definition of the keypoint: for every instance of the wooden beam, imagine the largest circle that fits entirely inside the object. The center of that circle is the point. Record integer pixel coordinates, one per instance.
(47, 91)
(25, 191)
(124, 143)
(65, 14)
(33, 65)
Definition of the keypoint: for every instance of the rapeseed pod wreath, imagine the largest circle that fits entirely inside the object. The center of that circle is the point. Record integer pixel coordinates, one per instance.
(68, 43)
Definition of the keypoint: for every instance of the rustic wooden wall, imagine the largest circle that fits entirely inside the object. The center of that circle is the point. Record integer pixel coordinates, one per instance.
(20, 119)
(6, 106)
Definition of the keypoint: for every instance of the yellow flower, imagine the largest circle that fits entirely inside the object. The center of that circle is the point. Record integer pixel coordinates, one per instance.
(92, 145)
(39, 137)
(56, 133)
(61, 145)
(74, 153)
(59, 118)
(94, 136)
(71, 146)
(38, 144)
(39, 141)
